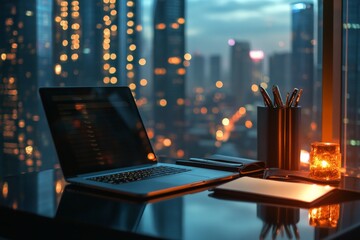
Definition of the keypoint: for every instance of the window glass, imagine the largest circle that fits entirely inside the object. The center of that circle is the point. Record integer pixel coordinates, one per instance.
(351, 74)
(194, 67)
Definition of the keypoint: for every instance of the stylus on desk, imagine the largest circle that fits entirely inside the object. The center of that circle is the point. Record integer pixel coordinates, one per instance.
(217, 162)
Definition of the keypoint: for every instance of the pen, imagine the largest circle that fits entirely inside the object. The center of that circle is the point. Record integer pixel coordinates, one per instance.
(292, 97)
(287, 99)
(277, 97)
(298, 97)
(267, 99)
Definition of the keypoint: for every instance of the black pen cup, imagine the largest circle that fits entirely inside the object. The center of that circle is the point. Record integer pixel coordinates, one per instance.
(278, 137)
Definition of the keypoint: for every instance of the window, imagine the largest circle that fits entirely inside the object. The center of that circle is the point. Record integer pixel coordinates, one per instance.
(194, 67)
(350, 83)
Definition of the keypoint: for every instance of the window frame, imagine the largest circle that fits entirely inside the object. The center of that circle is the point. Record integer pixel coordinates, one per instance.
(331, 71)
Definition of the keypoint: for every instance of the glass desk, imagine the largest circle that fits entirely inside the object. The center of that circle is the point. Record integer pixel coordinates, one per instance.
(41, 204)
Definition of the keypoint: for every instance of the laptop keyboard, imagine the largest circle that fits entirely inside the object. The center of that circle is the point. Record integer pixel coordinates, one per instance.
(138, 175)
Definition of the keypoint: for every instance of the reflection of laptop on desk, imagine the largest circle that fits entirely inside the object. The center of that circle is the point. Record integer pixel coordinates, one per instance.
(101, 142)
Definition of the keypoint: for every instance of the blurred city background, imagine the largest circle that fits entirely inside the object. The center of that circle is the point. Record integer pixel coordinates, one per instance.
(194, 67)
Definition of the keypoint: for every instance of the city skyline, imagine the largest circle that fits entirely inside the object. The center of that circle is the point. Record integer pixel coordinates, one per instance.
(265, 24)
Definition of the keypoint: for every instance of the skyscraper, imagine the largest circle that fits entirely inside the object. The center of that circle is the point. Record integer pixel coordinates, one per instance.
(302, 45)
(351, 83)
(302, 61)
(215, 69)
(96, 42)
(19, 109)
(240, 71)
(196, 72)
(169, 76)
(279, 70)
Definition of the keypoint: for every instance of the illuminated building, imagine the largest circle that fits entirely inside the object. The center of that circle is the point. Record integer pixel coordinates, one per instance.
(96, 43)
(215, 69)
(196, 76)
(169, 76)
(302, 60)
(351, 83)
(257, 73)
(240, 71)
(19, 109)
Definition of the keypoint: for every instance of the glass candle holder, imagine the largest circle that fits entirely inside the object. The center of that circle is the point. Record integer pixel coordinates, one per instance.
(324, 216)
(325, 161)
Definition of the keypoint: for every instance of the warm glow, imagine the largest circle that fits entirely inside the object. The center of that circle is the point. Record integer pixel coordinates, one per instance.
(313, 126)
(130, 58)
(248, 124)
(174, 60)
(58, 187)
(325, 161)
(29, 150)
(187, 56)
(304, 156)
(132, 86)
(63, 57)
(219, 84)
(130, 74)
(57, 69)
(160, 71)
(180, 101)
(181, 20)
(160, 26)
(130, 23)
(181, 71)
(74, 56)
(21, 123)
(143, 82)
(113, 80)
(326, 216)
(129, 66)
(5, 190)
(132, 47)
(142, 61)
(138, 28)
(175, 25)
(112, 70)
(219, 135)
(180, 153)
(151, 156)
(225, 121)
(203, 110)
(130, 3)
(256, 55)
(3, 56)
(167, 142)
(324, 164)
(242, 110)
(163, 102)
(254, 88)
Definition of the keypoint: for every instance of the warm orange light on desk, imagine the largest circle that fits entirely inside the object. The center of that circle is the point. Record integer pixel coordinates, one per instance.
(325, 161)
(324, 216)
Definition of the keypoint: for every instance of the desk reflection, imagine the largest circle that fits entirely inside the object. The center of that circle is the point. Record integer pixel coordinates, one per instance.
(158, 218)
(278, 220)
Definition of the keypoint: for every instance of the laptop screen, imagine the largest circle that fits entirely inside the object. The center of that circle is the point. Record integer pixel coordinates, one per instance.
(96, 129)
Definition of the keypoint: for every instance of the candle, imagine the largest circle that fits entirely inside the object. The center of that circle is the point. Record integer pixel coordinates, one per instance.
(325, 161)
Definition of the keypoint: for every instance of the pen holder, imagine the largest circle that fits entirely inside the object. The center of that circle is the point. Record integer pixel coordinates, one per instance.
(278, 134)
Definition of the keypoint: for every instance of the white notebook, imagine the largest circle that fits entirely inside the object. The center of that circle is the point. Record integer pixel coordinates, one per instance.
(291, 193)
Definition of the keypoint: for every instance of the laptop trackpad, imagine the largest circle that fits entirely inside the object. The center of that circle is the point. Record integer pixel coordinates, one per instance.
(181, 179)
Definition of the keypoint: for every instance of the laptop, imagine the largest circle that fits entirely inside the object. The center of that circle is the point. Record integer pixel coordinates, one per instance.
(102, 143)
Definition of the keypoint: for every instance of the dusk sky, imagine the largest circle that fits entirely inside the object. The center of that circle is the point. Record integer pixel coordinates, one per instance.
(211, 23)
